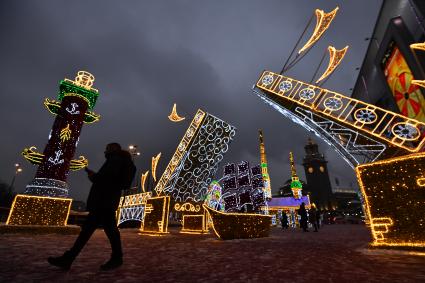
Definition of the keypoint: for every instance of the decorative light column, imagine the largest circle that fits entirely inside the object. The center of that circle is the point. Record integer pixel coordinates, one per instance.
(266, 178)
(296, 185)
(45, 200)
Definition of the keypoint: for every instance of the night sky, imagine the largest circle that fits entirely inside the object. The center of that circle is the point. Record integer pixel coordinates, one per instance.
(147, 55)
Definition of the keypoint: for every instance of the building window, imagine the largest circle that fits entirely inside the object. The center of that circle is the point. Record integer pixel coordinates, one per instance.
(310, 169)
(322, 169)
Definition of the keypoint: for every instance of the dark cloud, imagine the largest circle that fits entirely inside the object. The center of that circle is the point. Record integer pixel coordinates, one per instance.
(147, 55)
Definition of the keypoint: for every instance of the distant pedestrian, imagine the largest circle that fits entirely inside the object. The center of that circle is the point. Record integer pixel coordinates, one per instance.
(319, 217)
(312, 217)
(284, 221)
(303, 214)
(115, 175)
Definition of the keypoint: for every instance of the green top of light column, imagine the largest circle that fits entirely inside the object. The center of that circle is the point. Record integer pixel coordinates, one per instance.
(81, 86)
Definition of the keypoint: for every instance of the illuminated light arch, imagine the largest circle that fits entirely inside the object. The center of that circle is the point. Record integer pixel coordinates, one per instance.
(335, 58)
(323, 21)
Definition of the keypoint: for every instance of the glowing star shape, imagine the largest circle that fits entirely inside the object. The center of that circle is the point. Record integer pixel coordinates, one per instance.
(335, 57)
(418, 46)
(143, 180)
(154, 164)
(65, 134)
(174, 117)
(322, 24)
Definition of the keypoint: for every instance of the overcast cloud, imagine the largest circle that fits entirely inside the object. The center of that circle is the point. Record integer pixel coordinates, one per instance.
(147, 55)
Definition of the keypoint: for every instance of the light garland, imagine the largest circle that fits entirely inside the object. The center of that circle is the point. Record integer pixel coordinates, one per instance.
(394, 200)
(35, 210)
(323, 21)
(335, 58)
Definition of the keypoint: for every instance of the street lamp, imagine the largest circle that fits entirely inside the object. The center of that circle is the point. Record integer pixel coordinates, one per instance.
(133, 150)
(18, 169)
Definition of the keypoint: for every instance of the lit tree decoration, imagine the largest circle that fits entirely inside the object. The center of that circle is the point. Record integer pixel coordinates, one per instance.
(335, 57)
(323, 21)
(174, 117)
(76, 98)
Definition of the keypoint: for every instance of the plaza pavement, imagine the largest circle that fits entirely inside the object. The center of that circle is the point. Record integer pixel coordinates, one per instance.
(338, 253)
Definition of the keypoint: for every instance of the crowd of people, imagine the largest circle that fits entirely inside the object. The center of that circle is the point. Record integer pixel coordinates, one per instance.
(313, 216)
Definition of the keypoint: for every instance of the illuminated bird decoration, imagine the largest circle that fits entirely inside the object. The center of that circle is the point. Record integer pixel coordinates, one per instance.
(335, 57)
(323, 21)
(143, 180)
(174, 117)
(154, 164)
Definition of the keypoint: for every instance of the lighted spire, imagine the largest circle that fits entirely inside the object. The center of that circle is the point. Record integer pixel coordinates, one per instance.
(266, 177)
(296, 185)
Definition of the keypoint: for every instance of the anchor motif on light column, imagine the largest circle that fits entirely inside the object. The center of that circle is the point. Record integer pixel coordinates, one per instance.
(56, 160)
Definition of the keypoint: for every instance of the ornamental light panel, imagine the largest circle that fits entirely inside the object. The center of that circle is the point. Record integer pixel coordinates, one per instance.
(195, 161)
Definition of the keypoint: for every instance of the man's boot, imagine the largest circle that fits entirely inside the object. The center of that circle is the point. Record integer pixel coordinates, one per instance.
(64, 261)
(112, 263)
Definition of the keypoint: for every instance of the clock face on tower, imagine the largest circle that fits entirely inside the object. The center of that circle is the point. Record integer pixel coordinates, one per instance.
(310, 170)
(322, 169)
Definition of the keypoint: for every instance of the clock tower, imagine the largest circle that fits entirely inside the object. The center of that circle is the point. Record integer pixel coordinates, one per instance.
(316, 172)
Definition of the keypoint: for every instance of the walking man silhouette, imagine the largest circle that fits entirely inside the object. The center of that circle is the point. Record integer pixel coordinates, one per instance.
(116, 174)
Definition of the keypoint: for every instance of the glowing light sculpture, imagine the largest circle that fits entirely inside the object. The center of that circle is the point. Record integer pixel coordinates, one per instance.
(394, 196)
(228, 226)
(359, 131)
(132, 207)
(296, 185)
(155, 220)
(76, 98)
(45, 200)
(174, 117)
(195, 161)
(155, 161)
(323, 21)
(335, 58)
(143, 180)
(266, 178)
(418, 46)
